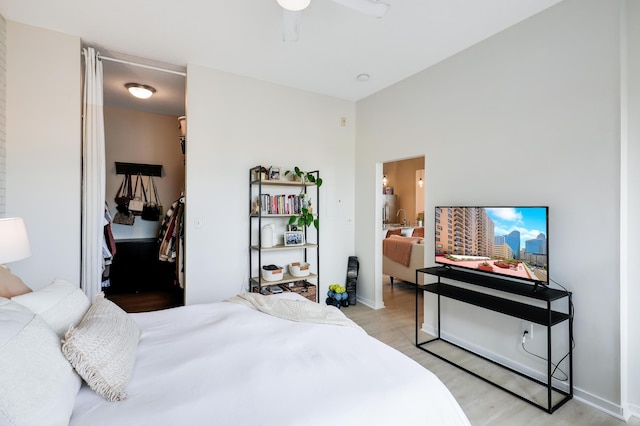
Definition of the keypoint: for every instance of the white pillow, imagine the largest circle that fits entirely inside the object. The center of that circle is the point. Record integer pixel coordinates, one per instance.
(61, 304)
(37, 384)
(102, 348)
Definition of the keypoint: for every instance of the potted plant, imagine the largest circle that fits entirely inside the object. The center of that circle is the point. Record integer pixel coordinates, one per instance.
(485, 266)
(306, 216)
(304, 177)
(261, 173)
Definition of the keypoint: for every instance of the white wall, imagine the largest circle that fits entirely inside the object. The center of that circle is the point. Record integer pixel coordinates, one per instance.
(3, 115)
(527, 117)
(236, 123)
(632, 294)
(43, 149)
(147, 138)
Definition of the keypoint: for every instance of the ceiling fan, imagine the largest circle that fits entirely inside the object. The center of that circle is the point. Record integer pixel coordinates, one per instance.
(292, 9)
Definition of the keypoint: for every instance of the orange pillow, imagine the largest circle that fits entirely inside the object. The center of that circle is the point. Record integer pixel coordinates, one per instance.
(391, 232)
(418, 232)
(11, 285)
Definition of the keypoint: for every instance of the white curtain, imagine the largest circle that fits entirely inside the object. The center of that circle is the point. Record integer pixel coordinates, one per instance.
(93, 175)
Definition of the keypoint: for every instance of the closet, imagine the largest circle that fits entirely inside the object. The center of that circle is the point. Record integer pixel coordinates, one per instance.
(146, 140)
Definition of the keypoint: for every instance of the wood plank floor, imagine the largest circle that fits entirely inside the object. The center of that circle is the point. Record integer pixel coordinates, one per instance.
(483, 403)
(147, 301)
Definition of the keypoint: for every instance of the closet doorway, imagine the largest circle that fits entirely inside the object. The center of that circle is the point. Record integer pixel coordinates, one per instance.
(145, 136)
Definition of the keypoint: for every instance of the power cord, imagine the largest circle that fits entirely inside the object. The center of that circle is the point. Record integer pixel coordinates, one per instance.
(571, 314)
(564, 378)
(573, 343)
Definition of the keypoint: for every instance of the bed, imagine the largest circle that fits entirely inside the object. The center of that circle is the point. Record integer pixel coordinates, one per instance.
(223, 363)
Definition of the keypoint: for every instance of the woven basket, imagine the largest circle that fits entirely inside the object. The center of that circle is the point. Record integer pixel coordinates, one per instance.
(305, 289)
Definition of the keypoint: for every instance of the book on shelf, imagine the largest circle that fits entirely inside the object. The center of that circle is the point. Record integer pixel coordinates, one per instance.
(283, 204)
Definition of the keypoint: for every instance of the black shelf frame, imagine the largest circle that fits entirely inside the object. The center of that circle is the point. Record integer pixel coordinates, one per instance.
(257, 183)
(522, 310)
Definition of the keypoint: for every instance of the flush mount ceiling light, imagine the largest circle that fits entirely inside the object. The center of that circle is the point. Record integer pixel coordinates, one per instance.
(294, 5)
(141, 91)
(363, 77)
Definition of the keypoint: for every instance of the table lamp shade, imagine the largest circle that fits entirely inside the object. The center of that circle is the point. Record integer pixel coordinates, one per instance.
(14, 242)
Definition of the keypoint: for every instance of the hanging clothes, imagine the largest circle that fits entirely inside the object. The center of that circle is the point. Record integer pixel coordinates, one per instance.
(171, 237)
(108, 247)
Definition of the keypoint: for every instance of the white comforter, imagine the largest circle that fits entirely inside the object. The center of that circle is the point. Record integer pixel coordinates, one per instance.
(226, 364)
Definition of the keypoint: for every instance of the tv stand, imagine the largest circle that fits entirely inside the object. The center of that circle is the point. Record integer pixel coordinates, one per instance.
(528, 310)
(539, 286)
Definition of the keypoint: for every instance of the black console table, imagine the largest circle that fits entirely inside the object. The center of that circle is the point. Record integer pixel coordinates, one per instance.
(523, 310)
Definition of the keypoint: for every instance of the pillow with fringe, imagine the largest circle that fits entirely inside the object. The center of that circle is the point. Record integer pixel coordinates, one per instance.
(37, 384)
(102, 348)
(60, 304)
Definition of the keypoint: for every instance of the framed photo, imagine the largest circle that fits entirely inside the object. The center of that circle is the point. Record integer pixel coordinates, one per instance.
(294, 238)
(274, 172)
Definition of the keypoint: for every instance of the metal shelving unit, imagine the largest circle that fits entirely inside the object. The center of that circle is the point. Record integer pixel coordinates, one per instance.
(257, 188)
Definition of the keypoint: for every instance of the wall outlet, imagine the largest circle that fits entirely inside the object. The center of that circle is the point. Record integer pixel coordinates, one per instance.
(528, 327)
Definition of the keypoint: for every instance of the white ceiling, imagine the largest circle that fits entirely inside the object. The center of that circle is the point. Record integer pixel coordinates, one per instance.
(169, 98)
(244, 37)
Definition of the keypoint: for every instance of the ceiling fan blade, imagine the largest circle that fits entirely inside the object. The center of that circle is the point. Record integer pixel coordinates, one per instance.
(290, 25)
(368, 7)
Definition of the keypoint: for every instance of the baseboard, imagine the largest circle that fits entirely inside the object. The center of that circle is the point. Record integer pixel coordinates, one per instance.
(598, 403)
(585, 397)
(634, 411)
(369, 303)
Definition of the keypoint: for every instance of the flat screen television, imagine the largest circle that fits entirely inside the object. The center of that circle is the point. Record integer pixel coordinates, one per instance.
(508, 241)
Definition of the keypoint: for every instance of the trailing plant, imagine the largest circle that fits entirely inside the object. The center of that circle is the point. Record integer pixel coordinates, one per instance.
(304, 176)
(306, 216)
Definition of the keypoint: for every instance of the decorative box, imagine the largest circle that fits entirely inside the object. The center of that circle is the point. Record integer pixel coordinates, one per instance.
(305, 289)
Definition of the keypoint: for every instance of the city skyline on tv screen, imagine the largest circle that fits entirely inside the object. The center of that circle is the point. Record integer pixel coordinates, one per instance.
(510, 241)
(528, 221)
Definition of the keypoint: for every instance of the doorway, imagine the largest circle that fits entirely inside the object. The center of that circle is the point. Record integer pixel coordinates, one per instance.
(403, 187)
(144, 136)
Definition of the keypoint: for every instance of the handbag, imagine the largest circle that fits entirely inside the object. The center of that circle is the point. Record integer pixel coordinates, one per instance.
(152, 210)
(124, 194)
(135, 204)
(124, 218)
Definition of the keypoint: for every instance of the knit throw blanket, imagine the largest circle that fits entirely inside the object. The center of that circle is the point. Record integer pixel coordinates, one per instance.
(399, 248)
(295, 310)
